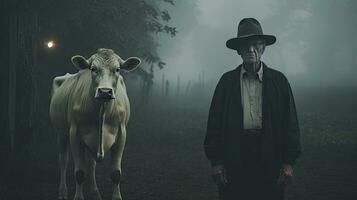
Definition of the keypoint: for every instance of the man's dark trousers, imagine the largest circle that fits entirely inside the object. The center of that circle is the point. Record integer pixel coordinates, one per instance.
(251, 182)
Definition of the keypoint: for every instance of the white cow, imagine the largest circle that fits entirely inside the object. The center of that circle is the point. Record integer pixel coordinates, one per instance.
(90, 111)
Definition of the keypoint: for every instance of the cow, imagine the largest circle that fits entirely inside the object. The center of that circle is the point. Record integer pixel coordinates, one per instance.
(89, 110)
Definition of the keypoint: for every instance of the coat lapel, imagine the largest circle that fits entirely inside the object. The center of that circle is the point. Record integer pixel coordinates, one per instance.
(237, 86)
(267, 78)
(267, 117)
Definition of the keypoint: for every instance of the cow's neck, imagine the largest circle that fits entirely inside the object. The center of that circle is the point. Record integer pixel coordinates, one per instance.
(87, 108)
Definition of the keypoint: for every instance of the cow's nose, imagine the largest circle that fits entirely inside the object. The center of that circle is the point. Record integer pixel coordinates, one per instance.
(108, 91)
(105, 93)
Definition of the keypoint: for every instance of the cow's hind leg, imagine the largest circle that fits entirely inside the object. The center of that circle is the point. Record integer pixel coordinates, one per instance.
(63, 143)
(116, 155)
(93, 189)
(78, 154)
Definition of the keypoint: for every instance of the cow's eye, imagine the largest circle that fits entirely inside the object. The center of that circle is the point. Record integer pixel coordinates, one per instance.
(94, 69)
(117, 70)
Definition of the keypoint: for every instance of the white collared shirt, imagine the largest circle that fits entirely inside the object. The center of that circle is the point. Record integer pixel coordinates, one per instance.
(252, 98)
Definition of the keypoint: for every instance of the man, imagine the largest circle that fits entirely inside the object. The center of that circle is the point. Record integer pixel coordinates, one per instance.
(253, 137)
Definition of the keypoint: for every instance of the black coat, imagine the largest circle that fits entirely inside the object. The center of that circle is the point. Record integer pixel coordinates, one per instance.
(281, 134)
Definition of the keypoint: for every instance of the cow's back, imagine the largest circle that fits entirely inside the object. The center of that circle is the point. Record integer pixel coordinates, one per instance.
(62, 90)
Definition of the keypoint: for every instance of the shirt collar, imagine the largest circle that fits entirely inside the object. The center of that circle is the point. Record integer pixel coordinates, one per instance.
(260, 72)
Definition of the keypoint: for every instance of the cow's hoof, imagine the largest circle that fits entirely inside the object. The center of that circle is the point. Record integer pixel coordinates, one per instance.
(62, 197)
(94, 194)
(116, 196)
(78, 197)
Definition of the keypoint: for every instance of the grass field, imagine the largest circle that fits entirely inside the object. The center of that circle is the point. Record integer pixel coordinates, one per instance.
(164, 159)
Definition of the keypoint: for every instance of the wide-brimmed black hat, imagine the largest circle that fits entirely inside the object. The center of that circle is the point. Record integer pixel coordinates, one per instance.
(249, 28)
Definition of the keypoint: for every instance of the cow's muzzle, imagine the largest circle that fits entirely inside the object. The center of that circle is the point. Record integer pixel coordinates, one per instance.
(105, 94)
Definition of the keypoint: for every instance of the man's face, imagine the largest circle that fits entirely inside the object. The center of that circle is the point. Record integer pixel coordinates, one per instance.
(251, 50)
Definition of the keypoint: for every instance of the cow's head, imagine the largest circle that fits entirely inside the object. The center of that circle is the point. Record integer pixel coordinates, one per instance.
(105, 68)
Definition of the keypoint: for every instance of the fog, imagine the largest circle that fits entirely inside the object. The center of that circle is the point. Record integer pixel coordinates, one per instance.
(164, 157)
(316, 45)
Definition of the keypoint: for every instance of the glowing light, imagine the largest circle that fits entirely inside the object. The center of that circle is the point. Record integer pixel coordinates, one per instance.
(50, 44)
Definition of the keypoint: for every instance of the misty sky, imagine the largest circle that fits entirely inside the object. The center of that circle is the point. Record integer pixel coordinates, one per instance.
(315, 39)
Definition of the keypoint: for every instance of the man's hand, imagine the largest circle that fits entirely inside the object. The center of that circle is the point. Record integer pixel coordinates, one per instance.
(286, 174)
(219, 175)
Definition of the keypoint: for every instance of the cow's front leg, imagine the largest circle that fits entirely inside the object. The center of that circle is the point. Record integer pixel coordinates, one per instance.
(93, 190)
(116, 155)
(79, 161)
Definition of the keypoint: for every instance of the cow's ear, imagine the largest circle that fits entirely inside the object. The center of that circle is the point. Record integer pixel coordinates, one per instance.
(130, 64)
(80, 62)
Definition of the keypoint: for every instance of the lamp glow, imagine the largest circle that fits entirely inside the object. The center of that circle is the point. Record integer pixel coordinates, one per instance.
(50, 44)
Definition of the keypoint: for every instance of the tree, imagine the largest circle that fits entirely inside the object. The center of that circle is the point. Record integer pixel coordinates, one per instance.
(126, 26)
